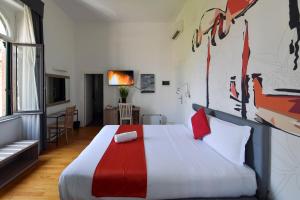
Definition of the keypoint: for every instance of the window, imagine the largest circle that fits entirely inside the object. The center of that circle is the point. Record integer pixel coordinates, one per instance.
(3, 78)
(4, 68)
(3, 26)
(27, 60)
(3, 30)
(20, 70)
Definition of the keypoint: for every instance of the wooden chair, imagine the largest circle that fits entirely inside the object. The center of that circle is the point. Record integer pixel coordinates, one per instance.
(66, 126)
(125, 110)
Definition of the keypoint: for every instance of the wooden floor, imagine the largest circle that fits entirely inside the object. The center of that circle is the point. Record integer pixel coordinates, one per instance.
(41, 181)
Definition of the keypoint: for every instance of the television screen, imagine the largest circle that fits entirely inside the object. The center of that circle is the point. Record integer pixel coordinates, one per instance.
(56, 90)
(118, 78)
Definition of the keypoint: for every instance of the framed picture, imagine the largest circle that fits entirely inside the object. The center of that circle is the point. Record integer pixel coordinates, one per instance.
(147, 83)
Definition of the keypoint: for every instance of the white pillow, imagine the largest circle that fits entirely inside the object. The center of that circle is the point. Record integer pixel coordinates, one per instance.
(228, 139)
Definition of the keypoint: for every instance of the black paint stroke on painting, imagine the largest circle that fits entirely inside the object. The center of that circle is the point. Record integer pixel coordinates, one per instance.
(295, 24)
(287, 90)
(207, 92)
(260, 80)
(231, 97)
(237, 109)
(245, 96)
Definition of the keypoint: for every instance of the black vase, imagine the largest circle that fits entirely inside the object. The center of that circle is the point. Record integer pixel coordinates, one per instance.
(123, 100)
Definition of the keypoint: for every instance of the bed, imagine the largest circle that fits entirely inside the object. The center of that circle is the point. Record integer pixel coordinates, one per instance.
(179, 167)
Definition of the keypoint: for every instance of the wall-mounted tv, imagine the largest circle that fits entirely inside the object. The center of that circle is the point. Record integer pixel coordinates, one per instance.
(57, 89)
(120, 77)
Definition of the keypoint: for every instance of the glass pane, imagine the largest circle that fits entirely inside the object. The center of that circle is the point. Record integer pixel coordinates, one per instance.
(27, 65)
(2, 28)
(3, 53)
(58, 89)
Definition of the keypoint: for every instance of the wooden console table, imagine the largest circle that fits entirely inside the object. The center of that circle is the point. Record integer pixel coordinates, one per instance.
(57, 116)
(111, 116)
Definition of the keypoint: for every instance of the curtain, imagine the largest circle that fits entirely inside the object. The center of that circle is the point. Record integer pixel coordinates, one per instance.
(37, 21)
(31, 127)
(36, 5)
(27, 90)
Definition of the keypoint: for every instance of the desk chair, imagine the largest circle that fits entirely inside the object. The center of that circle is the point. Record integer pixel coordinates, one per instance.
(125, 110)
(66, 126)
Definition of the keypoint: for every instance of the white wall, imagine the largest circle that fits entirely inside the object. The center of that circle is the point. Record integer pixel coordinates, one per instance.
(10, 131)
(142, 47)
(59, 48)
(269, 36)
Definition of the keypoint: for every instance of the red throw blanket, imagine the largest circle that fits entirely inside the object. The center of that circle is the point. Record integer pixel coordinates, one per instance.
(122, 170)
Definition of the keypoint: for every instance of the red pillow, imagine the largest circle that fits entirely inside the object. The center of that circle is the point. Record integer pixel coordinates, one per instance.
(200, 124)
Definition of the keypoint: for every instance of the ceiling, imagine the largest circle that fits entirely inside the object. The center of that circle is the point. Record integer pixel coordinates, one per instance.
(122, 10)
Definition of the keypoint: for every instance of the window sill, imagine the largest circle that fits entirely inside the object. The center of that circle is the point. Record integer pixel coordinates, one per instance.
(9, 118)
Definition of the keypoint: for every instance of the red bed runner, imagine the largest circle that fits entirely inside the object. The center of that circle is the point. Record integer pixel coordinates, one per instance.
(122, 170)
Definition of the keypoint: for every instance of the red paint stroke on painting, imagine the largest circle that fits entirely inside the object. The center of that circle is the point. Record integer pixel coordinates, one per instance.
(207, 72)
(283, 104)
(246, 55)
(235, 6)
(233, 90)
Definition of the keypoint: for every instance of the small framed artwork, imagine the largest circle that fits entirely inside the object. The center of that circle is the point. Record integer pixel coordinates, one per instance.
(147, 83)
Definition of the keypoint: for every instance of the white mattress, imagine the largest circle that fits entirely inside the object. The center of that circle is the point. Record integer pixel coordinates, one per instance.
(177, 167)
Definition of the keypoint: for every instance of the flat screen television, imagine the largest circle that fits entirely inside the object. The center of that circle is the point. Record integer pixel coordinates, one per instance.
(120, 77)
(57, 89)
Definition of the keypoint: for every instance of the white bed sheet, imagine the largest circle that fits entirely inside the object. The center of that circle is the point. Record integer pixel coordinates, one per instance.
(177, 167)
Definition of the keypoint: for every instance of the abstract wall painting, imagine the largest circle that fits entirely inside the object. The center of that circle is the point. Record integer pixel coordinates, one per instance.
(147, 83)
(245, 95)
(281, 109)
(220, 21)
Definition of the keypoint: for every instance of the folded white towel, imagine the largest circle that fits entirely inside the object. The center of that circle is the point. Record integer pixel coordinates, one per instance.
(125, 137)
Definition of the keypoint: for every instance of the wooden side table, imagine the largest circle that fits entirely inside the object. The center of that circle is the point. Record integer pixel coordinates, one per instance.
(111, 116)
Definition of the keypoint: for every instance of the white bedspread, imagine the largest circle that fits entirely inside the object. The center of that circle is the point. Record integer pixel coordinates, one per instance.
(177, 167)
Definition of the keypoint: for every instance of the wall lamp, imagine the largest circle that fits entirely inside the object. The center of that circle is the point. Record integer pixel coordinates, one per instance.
(184, 92)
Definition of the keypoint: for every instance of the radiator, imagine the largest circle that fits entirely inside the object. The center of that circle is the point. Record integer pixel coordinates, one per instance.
(153, 119)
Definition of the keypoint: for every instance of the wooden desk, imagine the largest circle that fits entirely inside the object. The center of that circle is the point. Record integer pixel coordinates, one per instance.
(111, 116)
(57, 116)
